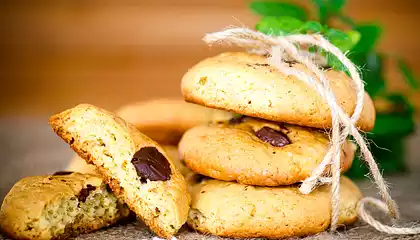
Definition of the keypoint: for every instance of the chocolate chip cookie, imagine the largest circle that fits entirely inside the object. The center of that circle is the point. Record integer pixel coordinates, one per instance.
(165, 120)
(137, 169)
(231, 209)
(179, 163)
(257, 152)
(248, 85)
(78, 164)
(58, 206)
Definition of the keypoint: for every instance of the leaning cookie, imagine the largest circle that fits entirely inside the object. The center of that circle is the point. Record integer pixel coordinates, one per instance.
(231, 209)
(78, 164)
(165, 120)
(257, 152)
(137, 169)
(59, 206)
(247, 84)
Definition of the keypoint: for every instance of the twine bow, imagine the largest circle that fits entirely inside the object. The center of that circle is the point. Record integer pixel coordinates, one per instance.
(286, 48)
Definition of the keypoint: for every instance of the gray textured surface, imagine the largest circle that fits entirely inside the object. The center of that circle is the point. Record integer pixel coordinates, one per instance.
(29, 147)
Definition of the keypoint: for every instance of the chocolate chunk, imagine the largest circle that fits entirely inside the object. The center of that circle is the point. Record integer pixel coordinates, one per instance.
(273, 137)
(151, 164)
(237, 119)
(84, 193)
(290, 63)
(62, 173)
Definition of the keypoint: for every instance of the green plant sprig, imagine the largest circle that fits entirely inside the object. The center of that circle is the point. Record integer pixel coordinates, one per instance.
(283, 18)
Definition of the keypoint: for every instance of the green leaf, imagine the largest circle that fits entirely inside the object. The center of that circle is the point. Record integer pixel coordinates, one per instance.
(371, 65)
(277, 9)
(408, 74)
(401, 104)
(346, 19)
(311, 27)
(327, 8)
(386, 124)
(335, 5)
(340, 39)
(333, 62)
(322, 10)
(279, 26)
(354, 37)
(369, 35)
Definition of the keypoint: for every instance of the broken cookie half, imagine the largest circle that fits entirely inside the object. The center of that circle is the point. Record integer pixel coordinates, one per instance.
(136, 168)
(58, 206)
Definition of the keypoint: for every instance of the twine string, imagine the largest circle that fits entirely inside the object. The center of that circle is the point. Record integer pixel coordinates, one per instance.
(365, 215)
(285, 48)
(325, 91)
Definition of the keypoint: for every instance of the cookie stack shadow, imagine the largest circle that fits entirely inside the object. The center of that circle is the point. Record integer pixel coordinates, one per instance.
(254, 163)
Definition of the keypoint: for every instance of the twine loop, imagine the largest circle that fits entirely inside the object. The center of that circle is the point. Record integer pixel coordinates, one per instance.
(288, 48)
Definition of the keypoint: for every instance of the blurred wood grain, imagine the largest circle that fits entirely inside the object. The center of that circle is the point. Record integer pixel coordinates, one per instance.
(55, 54)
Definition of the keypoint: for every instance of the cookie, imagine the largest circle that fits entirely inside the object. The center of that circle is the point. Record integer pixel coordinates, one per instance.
(78, 164)
(165, 120)
(59, 206)
(231, 209)
(248, 85)
(137, 169)
(257, 152)
(179, 163)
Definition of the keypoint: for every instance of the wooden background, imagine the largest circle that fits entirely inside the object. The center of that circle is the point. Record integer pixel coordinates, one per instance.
(55, 54)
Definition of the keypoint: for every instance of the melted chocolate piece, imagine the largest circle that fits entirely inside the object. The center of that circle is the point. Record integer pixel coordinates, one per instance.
(273, 137)
(84, 193)
(62, 173)
(151, 164)
(236, 120)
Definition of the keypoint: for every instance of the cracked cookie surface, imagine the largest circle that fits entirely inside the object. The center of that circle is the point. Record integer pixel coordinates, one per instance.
(246, 84)
(257, 152)
(58, 206)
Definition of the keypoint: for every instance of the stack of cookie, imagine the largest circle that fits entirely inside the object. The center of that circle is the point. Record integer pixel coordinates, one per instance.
(255, 162)
(257, 135)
